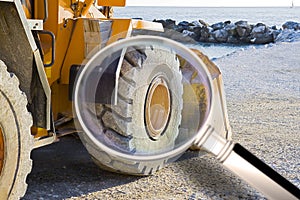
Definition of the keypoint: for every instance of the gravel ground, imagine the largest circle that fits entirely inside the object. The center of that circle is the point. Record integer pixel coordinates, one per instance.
(263, 95)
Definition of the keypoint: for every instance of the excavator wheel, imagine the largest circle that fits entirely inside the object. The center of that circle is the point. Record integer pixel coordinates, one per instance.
(148, 112)
(16, 141)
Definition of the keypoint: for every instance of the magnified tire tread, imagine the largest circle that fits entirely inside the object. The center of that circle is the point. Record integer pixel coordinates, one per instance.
(117, 120)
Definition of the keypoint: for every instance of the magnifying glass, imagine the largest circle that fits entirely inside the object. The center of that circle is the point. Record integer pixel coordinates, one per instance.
(143, 101)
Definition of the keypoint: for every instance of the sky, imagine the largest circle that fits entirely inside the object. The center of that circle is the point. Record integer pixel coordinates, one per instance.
(208, 3)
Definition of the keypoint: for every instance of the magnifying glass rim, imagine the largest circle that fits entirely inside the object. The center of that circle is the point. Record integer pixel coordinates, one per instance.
(181, 50)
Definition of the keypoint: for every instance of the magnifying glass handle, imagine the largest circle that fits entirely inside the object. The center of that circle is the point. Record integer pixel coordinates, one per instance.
(247, 166)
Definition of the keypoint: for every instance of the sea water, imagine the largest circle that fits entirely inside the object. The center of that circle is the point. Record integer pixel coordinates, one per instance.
(268, 15)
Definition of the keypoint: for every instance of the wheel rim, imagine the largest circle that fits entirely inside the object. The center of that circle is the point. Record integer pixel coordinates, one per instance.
(1, 149)
(158, 106)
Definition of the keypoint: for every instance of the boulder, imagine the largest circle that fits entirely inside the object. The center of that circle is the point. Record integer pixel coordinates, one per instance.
(184, 23)
(276, 33)
(196, 23)
(231, 29)
(227, 22)
(243, 29)
(242, 23)
(291, 25)
(232, 40)
(263, 38)
(218, 26)
(244, 40)
(197, 33)
(220, 35)
(204, 34)
(203, 23)
(261, 34)
(211, 39)
(259, 29)
(169, 23)
(288, 35)
(180, 29)
(242, 32)
(274, 27)
(187, 33)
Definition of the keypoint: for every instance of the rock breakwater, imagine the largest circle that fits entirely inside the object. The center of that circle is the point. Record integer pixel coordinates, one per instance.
(240, 32)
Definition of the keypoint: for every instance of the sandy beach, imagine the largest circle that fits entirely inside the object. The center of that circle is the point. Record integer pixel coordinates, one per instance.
(263, 95)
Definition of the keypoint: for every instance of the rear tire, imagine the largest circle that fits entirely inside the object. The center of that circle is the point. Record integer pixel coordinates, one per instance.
(16, 141)
(127, 123)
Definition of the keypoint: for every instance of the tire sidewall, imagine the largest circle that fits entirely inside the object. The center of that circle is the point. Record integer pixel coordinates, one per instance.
(15, 122)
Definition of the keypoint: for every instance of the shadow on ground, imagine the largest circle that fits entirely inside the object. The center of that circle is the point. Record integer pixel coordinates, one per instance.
(64, 169)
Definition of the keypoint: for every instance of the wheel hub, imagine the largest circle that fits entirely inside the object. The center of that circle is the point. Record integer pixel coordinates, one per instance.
(1, 149)
(158, 104)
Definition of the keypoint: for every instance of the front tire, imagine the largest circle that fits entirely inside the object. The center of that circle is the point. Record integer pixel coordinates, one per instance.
(16, 141)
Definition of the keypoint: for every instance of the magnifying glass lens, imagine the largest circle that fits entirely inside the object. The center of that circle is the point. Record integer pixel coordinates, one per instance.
(143, 98)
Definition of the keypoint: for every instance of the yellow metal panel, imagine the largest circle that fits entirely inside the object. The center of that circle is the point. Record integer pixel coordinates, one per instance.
(153, 26)
(58, 11)
(39, 9)
(60, 100)
(63, 38)
(75, 52)
(120, 3)
(39, 132)
(48, 71)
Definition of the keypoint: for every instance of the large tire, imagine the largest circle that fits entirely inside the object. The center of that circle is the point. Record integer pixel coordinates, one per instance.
(126, 121)
(16, 141)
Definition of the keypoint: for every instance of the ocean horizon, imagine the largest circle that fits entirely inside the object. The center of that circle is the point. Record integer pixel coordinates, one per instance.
(268, 15)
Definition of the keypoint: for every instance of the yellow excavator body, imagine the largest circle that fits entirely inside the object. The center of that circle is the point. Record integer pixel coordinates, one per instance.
(43, 46)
